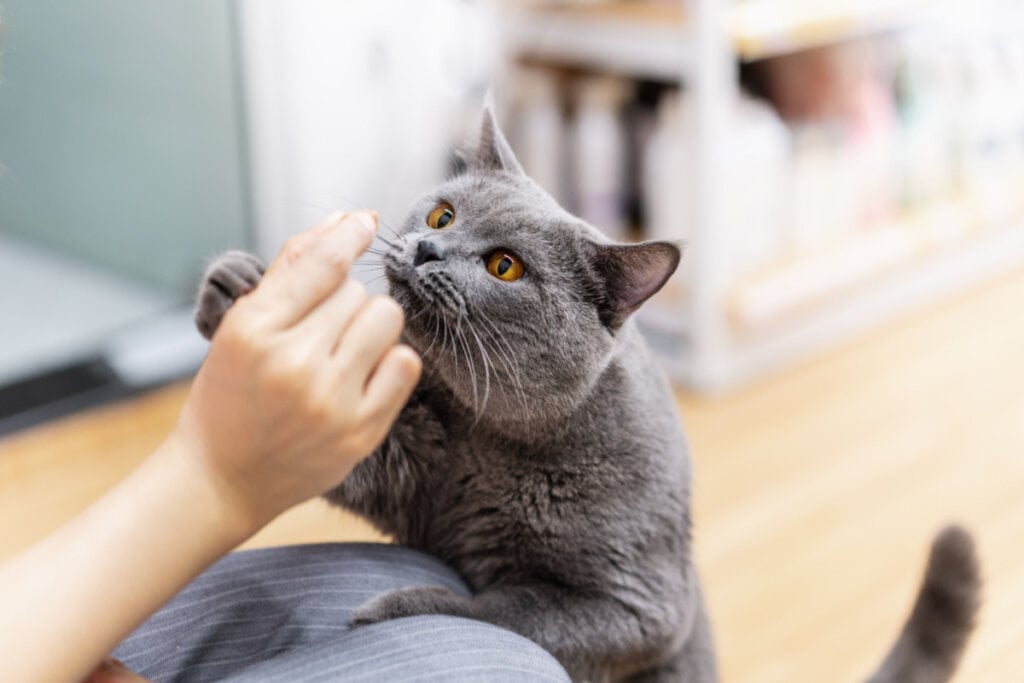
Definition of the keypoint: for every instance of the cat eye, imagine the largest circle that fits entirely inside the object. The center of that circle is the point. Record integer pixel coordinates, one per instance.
(505, 266)
(441, 217)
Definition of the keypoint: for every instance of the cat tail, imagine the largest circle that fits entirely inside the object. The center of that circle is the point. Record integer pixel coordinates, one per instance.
(928, 649)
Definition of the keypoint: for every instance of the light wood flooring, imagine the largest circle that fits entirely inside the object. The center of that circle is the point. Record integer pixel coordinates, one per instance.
(817, 491)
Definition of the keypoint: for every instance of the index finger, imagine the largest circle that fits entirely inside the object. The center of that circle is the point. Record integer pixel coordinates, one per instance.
(313, 264)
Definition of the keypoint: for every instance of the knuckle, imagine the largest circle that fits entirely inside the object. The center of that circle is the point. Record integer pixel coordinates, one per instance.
(286, 373)
(321, 411)
(294, 248)
(323, 399)
(292, 253)
(242, 331)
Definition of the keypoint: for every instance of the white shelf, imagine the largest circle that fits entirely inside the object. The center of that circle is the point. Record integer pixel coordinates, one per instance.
(766, 28)
(639, 40)
(651, 39)
(923, 281)
(801, 281)
(720, 333)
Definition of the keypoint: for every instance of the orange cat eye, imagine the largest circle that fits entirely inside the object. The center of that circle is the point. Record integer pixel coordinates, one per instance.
(441, 217)
(505, 266)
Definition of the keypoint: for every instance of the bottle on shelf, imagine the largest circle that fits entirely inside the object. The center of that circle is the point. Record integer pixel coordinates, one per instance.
(539, 130)
(926, 96)
(599, 152)
(988, 140)
(757, 210)
(665, 175)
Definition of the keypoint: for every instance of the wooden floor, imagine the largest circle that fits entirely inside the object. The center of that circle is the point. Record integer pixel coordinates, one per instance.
(817, 491)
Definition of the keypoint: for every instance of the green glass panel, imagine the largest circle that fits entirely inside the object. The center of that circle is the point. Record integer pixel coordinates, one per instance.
(121, 136)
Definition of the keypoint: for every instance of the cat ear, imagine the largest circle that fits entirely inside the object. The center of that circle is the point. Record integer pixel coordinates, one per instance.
(632, 273)
(494, 152)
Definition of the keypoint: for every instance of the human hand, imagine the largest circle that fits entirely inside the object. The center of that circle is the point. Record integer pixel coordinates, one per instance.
(303, 378)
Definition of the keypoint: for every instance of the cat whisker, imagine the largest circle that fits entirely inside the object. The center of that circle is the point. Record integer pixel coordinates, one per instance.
(455, 349)
(417, 314)
(437, 331)
(506, 355)
(445, 331)
(477, 404)
(386, 241)
(487, 374)
(327, 209)
(469, 361)
(502, 345)
(357, 207)
(486, 377)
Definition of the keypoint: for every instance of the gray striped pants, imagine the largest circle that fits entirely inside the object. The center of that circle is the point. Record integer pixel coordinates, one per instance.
(282, 614)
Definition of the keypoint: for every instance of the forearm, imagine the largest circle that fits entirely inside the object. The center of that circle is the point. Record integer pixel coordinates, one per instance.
(264, 429)
(70, 599)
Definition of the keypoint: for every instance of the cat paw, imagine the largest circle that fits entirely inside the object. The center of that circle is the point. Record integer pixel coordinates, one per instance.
(408, 602)
(232, 275)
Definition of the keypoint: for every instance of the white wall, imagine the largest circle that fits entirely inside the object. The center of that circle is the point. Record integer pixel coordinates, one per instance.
(356, 103)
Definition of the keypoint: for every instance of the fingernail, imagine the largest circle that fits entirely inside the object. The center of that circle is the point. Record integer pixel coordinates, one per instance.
(367, 220)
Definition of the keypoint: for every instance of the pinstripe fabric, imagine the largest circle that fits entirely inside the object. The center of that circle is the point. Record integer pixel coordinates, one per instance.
(282, 614)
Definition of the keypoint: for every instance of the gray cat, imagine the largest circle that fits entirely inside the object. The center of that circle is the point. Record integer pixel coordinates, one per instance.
(541, 455)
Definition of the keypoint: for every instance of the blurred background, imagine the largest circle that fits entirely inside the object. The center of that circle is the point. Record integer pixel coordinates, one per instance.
(829, 164)
(848, 176)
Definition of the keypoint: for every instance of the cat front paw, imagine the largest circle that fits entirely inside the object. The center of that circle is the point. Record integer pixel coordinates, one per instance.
(409, 602)
(232, 275)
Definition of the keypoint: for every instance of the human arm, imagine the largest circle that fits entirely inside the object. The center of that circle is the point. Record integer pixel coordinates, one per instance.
(261, 430)
(385, 486)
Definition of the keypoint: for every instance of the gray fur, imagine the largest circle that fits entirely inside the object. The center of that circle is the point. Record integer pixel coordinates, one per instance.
(541, 455)
(233, 274)
(935, 635)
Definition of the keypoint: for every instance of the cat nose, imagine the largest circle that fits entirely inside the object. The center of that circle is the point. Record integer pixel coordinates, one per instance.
(426, 251)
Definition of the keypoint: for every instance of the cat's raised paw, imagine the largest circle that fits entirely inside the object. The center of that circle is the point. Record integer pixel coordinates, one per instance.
(409, 602)
(232, 275)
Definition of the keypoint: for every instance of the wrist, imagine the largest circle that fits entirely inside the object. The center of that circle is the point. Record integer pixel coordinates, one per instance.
(225, 510)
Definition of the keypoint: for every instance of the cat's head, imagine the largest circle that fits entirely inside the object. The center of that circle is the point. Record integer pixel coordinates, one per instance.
(514, 303)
